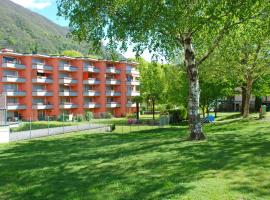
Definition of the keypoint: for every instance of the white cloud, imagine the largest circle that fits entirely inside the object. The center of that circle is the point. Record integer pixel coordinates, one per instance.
(34, 4)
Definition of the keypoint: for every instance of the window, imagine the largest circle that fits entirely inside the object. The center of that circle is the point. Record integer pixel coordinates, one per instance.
(10, 87)
(9, 60)
(12, 100)
(11, 73)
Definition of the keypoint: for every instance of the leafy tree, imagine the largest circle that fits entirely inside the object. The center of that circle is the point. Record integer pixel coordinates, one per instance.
(72, 53)
(249, 52)
(152, 83)
(163, 26)
(137, 100)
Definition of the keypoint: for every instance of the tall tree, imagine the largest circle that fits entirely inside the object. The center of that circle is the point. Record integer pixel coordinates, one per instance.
(164, 26)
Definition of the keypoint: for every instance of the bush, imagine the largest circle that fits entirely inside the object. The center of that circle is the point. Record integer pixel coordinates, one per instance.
(106, 115)
(131, 115)
(79, 118)
(112, 127)
(62, 118)
(178, 115)
(88, 115)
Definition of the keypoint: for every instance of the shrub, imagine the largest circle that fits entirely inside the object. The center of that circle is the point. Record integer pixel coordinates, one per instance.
(112, 127)
(178, 115)
(106, 115)
(131, 115)
(88, 115)
(62, 118)
(79, 118)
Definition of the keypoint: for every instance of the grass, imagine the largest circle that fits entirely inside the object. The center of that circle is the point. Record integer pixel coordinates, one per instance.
(148, 163)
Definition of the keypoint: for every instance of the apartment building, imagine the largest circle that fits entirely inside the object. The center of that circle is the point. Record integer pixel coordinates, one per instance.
(41, 85)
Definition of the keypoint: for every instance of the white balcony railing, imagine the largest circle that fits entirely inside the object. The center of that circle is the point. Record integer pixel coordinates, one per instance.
(112, 93)
(15, 106)
(90, 68)
(112, 70)
(68, 105)
(14, 93)
(42, 79)
(67, 80)
(13, 65)
(112, 82)
(69, 68)
(131, 105)
(91, 105)
(41, 66)
(42, 106)
(13, 79)
(91, 81)
(91, 93)
(132, 71)
(66, 93)
(42, 93)
(112, 105)
(133, 82)
(133, 93)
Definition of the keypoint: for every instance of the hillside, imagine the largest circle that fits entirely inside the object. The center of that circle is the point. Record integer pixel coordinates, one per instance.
(27, 31)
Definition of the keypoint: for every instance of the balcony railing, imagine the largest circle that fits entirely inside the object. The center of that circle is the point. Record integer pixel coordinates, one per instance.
(68, 105)
(91, 93)
(91, 81)
(15, 106)
(112, 105)
(66, 93)
(14, 93)
(41, 66)
(42, 93)
(133, 82)
(91, 105)
(68, 68)
(112, 93)
(131, 105)
(112, 70)
(13, 65)
(42, 106)
(42, 79)
(132, 71)
(13, 79)
(112, 82)
(90, 69)
(133, 93)
(67, 80)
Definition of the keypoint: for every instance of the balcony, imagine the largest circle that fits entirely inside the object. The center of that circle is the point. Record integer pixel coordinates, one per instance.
(13, 79)
(133, 82)
(68, 105)
(67, 68)
(14, 93)
(13, 65)
(42, 93)
(91, 105)
(131, 105)
(67, 93)
(91, 93)
(112, 105)
(42, 79)
(91, 69)
(112, 70)
(41, 66)
(42, 106)
(112, 82)
(67, 80)
(112, 93)
(91, 81)
(133, 93)
(133, 71)
(15, 106)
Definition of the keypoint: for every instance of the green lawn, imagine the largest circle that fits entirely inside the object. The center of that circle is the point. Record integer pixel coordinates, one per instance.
(148, 163)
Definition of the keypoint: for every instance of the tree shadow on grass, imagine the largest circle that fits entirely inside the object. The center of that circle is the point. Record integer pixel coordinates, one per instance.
(150, 164)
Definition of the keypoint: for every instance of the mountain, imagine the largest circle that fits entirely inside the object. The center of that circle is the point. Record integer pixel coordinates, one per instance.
(25, 31)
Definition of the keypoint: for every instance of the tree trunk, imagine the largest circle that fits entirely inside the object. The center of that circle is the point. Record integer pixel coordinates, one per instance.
(195, 126)
(247, 98)
(216, 108)
(153, 108)
(137, 111)
(207, 110)
(203, 113)
(244, 93)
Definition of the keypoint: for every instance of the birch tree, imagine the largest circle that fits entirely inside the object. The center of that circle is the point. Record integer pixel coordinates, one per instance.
(165, 27)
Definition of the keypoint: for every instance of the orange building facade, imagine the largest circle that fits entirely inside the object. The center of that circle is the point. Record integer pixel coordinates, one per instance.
(39, 85)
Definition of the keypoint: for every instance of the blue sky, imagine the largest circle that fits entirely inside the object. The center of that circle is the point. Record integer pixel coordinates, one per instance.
(48, 8)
